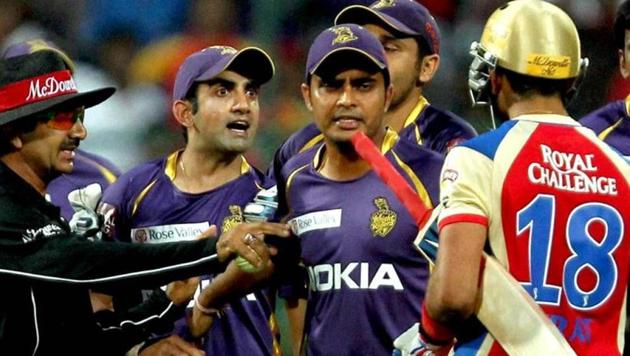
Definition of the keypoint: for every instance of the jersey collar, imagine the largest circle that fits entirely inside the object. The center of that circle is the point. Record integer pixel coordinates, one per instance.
(390, 140)
(548, 119)
(422, 103)
(170, 167)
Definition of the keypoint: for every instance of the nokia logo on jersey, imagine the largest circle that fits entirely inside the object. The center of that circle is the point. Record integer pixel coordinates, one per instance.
(354, 275)
(568, 172)
(167, 233)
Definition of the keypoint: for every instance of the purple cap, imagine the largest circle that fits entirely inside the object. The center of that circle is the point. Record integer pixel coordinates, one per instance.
(32, 46)
(250, 62)
(406, 17)
(347, 37)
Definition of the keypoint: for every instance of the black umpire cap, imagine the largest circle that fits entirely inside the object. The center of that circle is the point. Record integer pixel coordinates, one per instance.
(36, 82)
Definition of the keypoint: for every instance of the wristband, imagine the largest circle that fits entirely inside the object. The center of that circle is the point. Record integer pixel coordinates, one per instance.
(436, 332)
(205, 310)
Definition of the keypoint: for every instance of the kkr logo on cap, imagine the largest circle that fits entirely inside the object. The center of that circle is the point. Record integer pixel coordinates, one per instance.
(383, 3)
(344, 34)
(223, 49)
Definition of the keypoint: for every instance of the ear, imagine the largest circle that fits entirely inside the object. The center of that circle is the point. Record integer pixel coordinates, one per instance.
(16, 142)
(496, 82)
(6, 132)
(428, 67)
(182, 111)
(625, 72)
(389, 95)
(306, 96)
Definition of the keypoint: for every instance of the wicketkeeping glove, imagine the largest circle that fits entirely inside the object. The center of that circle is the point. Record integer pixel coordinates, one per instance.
(85, 221)
(263, 206)
(413, 343)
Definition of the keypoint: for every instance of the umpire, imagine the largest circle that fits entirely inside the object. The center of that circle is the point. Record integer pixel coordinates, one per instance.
(45, 269)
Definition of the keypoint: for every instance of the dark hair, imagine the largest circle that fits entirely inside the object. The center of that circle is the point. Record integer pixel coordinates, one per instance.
(622, 23)
(526, 86)
(423, 48)
(19, 127)
(191, 96)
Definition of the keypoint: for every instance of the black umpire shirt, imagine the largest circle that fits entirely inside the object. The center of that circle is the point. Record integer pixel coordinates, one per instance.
(46, 272)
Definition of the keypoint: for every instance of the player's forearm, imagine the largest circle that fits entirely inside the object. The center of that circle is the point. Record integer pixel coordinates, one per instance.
(227, 286)
(296, 313)
(453, 288)
(445, 307)
(232, 284)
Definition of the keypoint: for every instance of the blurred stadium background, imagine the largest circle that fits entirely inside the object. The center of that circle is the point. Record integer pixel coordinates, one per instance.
(137, 45)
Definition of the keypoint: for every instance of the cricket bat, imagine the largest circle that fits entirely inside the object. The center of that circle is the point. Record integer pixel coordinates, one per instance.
(505, 309)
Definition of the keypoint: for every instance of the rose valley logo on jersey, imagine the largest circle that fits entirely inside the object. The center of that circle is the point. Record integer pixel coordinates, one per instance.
(168, 233)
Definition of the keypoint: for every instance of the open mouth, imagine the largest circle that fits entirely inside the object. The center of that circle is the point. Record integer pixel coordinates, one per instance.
(239, 126)
(347, 122)
(68, 151)
(67, 154)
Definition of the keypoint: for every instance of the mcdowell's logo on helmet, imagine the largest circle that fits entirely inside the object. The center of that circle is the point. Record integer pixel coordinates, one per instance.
(51, 86)
(548, 66)
(344, 34)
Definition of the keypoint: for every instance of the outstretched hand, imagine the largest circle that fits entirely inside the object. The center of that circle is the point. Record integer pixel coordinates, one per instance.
(248, 241)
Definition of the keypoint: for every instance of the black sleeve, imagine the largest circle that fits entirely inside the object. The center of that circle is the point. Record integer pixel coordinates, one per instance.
(109, 265)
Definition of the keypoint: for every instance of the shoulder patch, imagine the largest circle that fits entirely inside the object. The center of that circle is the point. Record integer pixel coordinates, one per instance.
(488, 142)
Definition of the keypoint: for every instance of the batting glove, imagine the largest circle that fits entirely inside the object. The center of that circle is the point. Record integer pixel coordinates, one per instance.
(86, 222)
(263, 207)
(413, 343)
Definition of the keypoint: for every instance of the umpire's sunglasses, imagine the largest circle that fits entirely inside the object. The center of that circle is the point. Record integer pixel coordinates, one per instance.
(63, 120)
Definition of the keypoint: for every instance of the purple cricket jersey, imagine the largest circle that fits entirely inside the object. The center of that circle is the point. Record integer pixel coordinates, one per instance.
(88, 168)
(366, 280)
(611, 123)
(148, 208)
(433, 128)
